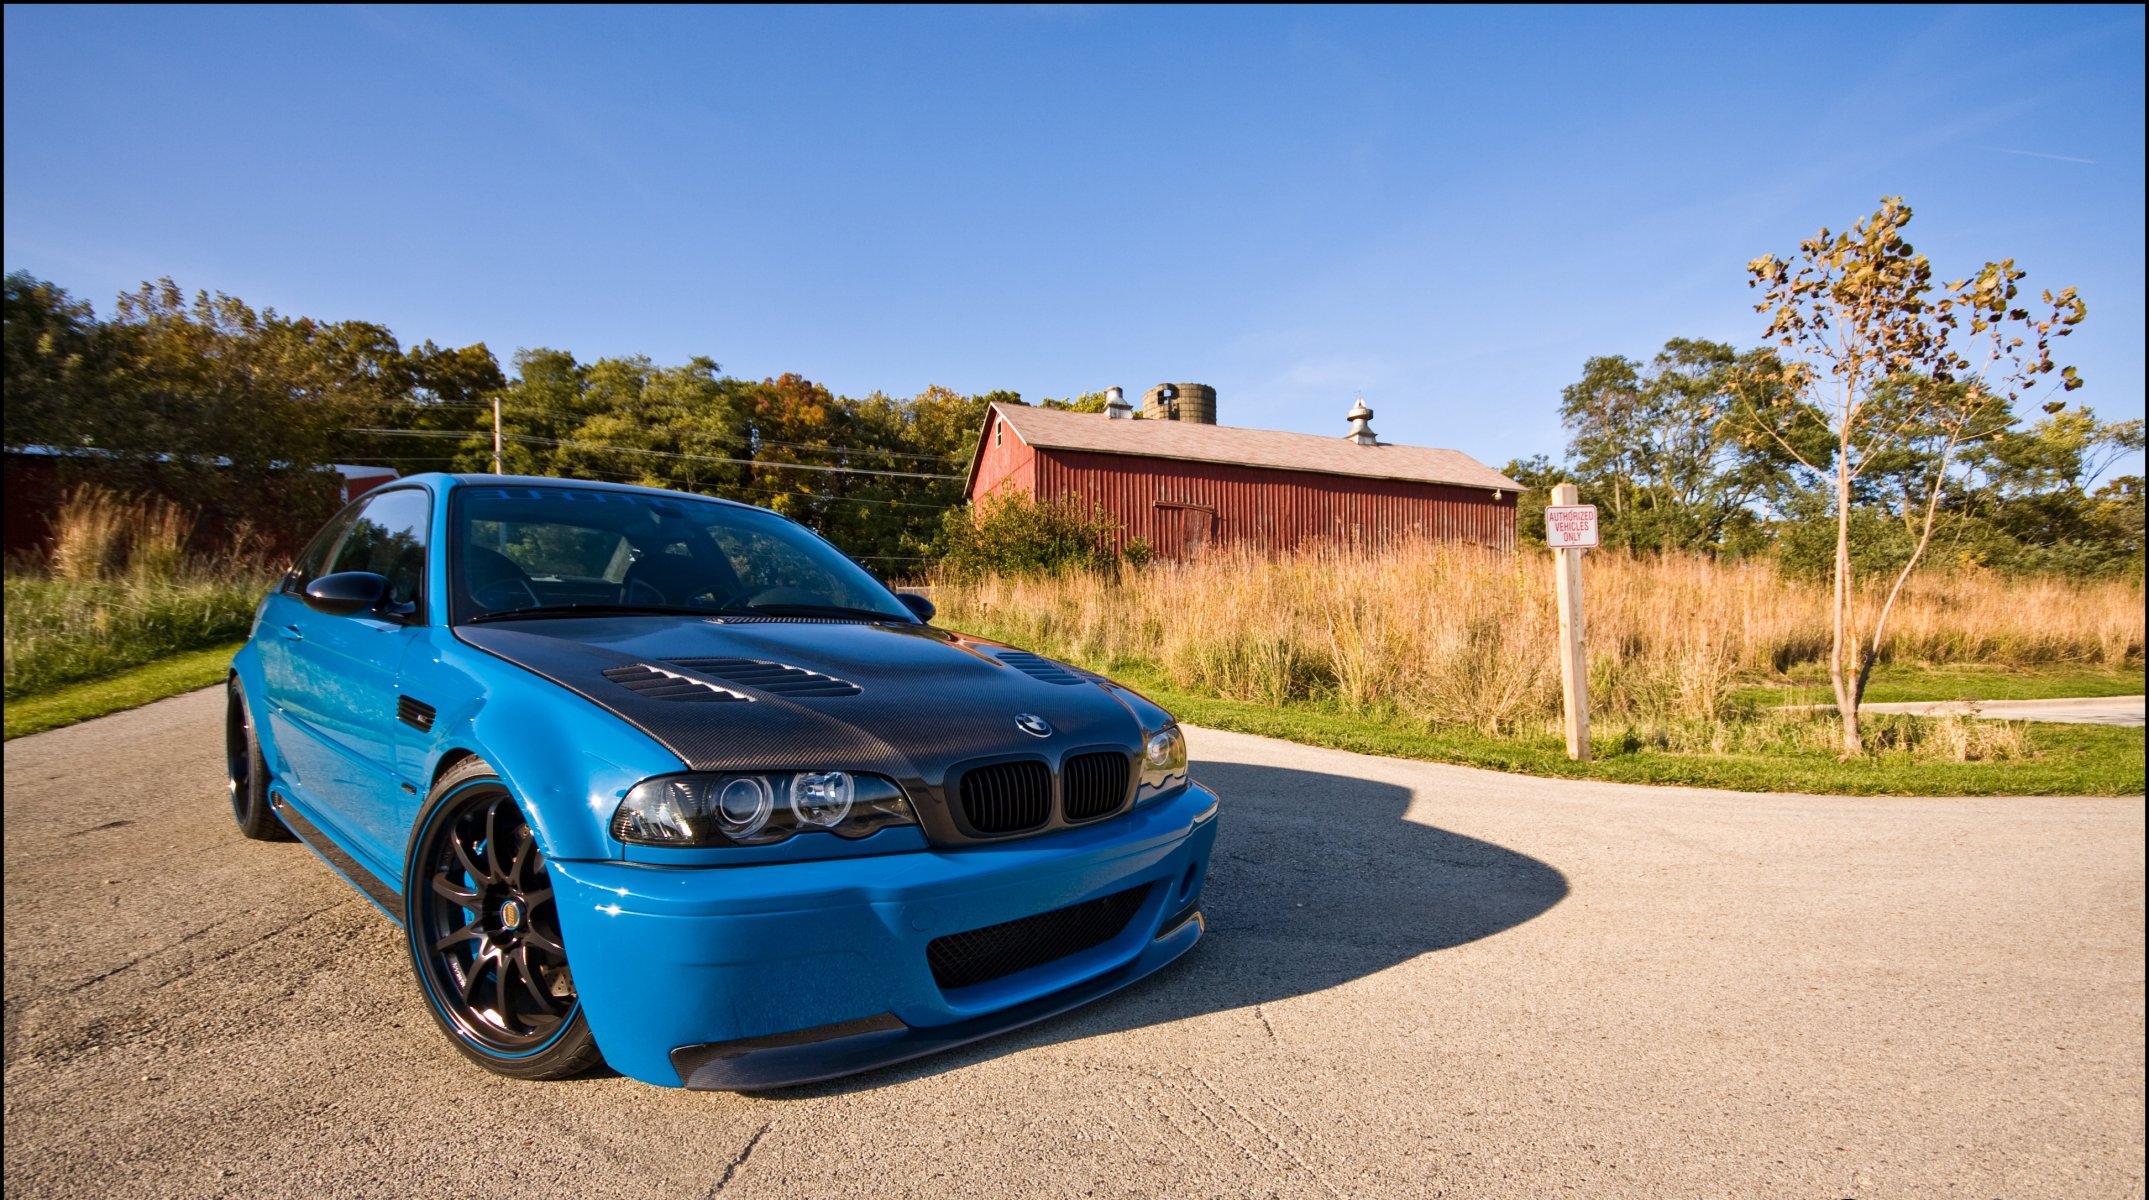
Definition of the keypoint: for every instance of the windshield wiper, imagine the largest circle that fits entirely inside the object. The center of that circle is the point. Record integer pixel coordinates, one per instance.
(810, 610)
(586, 610)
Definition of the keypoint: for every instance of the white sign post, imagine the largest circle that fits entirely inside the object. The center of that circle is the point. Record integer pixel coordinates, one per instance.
(1571, 528)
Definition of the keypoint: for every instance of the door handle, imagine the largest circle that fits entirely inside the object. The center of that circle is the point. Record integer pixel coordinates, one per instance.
(290, 633)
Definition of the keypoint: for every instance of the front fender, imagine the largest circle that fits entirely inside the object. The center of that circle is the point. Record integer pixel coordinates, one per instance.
(567, 761)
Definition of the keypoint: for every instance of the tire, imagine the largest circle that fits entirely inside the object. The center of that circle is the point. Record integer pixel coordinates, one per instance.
(246, 772)
(484, 935)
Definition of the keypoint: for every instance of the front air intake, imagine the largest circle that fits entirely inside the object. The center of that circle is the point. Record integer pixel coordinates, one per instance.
(1006, 797)
(961, 960)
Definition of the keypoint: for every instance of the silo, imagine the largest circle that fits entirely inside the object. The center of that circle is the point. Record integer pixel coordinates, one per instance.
(1194, 402)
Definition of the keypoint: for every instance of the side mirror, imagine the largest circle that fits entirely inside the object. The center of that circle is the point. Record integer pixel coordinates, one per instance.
(346, 592)
(919, 606)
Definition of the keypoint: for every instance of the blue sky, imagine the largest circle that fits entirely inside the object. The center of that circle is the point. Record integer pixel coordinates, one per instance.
(1444, 210)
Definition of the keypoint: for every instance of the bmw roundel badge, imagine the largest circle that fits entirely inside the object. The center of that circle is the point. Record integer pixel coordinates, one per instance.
(1032, 724)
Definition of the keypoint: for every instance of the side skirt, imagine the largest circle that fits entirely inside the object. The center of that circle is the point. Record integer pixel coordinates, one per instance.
(365, 882)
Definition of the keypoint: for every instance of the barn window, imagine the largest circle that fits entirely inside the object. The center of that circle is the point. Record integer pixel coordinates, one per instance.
(999, 432)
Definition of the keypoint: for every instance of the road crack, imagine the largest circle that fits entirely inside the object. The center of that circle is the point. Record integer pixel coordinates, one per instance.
(745, 1152)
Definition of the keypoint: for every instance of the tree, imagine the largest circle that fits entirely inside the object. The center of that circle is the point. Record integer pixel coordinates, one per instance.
(54, 362)
(1901, 375)
(1666, 448)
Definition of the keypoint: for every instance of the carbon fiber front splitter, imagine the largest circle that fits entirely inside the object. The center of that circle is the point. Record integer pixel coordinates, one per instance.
(830, 1051)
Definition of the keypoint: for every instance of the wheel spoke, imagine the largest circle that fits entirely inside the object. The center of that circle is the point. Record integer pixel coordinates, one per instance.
(468, 933)
(540, 896)
(477, 873)
(454, 895)
(531, 984)
(503, 994)
(523, 855)
(492, 842)
(547, 943)
(473, 971)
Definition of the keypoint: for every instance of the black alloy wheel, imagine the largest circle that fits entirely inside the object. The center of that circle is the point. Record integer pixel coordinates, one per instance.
(484, 933)
(246, 772)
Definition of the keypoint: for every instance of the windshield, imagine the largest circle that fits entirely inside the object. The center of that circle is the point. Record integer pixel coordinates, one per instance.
(563, 550)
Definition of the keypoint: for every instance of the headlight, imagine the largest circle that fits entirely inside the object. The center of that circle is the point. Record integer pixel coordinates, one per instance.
(758, 810)
(1163, 765)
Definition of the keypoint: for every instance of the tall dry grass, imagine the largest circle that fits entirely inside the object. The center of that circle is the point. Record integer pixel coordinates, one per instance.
(1456, 636)
(119, 587)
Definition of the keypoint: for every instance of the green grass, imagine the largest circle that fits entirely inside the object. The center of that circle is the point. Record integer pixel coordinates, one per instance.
(1892, 684)
(171, 676)
(62, 632)
(2066, 760)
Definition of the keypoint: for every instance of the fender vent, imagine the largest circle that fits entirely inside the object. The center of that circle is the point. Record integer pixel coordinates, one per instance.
(660, 684)
(415, 713)
(1039, 668)
(774, 678)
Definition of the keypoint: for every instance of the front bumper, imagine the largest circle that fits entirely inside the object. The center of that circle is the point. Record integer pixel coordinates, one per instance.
(771, 975)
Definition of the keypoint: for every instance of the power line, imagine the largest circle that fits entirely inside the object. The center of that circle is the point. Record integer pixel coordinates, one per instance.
(486, 406)
(568, 444)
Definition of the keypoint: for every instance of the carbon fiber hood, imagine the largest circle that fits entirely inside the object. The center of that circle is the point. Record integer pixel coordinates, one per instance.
(927, 699)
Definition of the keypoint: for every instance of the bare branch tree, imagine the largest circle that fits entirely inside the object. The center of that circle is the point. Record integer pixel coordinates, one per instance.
(1886, 361)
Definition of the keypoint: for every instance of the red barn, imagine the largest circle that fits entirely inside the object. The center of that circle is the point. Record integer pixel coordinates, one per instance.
(1182, 483)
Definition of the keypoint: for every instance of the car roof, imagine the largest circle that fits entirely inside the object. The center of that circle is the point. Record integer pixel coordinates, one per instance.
(462, 479)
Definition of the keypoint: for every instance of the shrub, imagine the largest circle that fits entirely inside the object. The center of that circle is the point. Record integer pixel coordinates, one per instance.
(1021, 537)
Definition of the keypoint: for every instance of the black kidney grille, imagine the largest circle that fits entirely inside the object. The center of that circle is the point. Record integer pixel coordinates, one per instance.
(660, 684)
(774, 678)
(1042, 669)
(1093, 785)
(962, 960)
(1006, 797)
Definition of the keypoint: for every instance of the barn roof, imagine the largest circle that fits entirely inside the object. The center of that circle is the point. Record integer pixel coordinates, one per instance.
(1053, 429)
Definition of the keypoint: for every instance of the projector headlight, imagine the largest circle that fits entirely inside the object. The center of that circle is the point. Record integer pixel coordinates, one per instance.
(758, 809)
(1163, 765)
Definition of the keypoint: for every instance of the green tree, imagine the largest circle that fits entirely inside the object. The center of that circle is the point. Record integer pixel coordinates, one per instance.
(1886, 363)
(57, 358)
(1666, 449)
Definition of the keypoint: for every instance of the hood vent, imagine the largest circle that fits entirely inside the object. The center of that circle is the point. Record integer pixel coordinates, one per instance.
(1039, 668)
(660, 684)
(772, 677)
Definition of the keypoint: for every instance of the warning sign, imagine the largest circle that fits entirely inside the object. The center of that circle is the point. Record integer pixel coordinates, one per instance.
(1573, 526)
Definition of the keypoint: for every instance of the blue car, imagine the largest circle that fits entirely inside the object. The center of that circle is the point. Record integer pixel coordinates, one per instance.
(668, 782)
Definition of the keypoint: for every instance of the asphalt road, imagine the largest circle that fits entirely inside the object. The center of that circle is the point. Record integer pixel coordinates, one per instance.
(2101, 710)
(1420, 980)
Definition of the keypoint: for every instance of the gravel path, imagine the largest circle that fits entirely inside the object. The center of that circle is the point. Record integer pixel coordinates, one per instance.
(1421, 980)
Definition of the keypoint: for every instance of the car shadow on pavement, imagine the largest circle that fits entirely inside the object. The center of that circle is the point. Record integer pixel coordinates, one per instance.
(1317, 880)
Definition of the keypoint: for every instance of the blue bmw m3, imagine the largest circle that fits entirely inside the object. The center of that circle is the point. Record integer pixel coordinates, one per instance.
(668, 782)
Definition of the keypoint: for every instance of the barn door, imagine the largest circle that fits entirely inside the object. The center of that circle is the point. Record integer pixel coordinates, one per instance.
(1184, 530)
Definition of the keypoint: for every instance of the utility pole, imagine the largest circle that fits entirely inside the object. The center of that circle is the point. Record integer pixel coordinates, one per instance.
(1570, 529)
(496, 434)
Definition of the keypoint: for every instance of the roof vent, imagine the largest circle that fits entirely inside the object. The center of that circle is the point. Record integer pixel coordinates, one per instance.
(1116, 406)
(1361, 419)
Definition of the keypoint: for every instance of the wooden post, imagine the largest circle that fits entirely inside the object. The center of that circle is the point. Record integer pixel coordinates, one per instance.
(496, 433)
(1574, 662)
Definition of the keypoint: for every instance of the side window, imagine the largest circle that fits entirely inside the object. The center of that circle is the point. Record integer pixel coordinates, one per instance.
(388, 538)
(311, 561)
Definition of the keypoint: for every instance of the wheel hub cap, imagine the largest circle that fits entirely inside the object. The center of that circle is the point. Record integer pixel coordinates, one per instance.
(511, 915)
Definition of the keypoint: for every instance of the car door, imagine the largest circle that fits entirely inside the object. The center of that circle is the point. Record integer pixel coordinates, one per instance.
(339, 699)
(284, 616)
